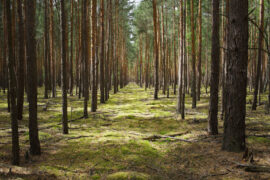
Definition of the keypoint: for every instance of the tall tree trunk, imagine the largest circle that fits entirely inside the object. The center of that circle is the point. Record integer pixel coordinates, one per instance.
(214, 81)
(260, 44)
(12, 89)
(185, 60)
(71, 52)
(85, 54)
(64, 68)
(180, 60)
(236, 77)
(224, 59)
(20, 78)
(52, 60)
(174, 52)
(199, 52)
(94, 30)
(102, 55)
(32, 78)
(156, 50)
(46, 53)
(193, 88)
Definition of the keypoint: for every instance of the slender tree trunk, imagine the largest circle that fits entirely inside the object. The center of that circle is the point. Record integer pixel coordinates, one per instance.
(46, 53)
(224, 59)
(260, 44)
(12, 89)
(32, 78)
(193, 55)
(214, 81)
(156, 50)
(94, 84)
(236, 78)
(20, 78)
(52, 60)
(185, 60)
(199, 52)
(180, 60)
(174, 52)
(71, 52)
(64, 68)
(102, 55)
(85, 54)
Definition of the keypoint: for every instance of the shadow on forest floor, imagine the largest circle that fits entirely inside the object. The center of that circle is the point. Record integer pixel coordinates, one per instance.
(132, 136)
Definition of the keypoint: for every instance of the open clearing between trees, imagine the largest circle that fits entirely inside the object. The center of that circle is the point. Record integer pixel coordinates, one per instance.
(131, 136)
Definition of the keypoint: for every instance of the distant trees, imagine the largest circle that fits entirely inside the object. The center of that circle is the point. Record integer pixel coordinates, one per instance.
(257, 82)
(35, 52)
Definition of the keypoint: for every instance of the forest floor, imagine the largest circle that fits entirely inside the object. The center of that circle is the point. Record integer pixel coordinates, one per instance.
(132, 136)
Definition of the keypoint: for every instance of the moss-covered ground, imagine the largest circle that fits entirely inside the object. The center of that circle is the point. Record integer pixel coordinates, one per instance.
(132, 136)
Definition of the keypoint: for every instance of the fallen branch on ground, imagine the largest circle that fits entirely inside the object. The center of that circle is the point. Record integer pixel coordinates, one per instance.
(78, 137)
(253, 168)
(156, 137)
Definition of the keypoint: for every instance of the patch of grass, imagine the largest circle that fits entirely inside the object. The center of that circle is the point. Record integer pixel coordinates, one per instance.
(128, 175)
(262, 140)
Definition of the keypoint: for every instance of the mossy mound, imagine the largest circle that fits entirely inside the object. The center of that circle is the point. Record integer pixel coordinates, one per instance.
(131, 175)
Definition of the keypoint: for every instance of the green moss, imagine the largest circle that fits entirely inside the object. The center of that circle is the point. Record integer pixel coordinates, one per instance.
(254, 139)
(129, 175)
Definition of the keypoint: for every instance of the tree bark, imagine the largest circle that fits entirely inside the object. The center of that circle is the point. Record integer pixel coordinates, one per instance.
(102, 55)
(94, 84)
(199, 52)
(260, 44)
(236, 77)
(12, 89)
(20, 98)
(46, 47)
(64, 68)
(193, 88)
(32, 78)
(85, 54)
(214, 81)
(156, 50)
(71, 51)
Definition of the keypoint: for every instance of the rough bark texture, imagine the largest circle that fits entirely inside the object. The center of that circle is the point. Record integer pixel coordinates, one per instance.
(214, 81)
(64, 68)
(12, 90)
(46, 49)
(193, 87)
(94, 84)
(85, 55)
(102, 57)
(236, 78)
(156, 50)
(52, 59)
(20, 91)
(32, 78)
